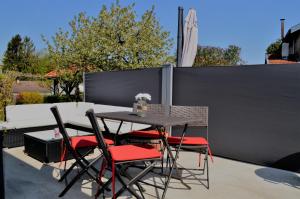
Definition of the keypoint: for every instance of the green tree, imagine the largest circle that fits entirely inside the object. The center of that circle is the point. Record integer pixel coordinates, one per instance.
(42, 63)
(14, 54)
(215, 56)
(20, 55)
(114, 40)
(30, 59)
(274, 49)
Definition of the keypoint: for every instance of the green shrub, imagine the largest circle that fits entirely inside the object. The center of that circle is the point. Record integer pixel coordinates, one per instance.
(51, 99)
(30, 98)
(60, 98)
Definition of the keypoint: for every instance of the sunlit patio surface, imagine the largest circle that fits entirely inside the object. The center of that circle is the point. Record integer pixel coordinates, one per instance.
(27, 178)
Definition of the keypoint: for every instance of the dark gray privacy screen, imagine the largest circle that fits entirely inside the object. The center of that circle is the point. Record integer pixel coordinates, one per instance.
(254, 111)
(119, 88)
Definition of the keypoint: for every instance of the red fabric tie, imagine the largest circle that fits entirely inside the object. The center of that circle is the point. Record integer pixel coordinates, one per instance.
(210, 154)
(62, 153)
(100, 175)
(102, 170)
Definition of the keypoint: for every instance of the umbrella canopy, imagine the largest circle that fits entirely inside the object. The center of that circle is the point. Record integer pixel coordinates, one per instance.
(190, 40)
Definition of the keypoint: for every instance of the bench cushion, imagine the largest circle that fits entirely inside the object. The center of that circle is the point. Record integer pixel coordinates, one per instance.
(28, 112)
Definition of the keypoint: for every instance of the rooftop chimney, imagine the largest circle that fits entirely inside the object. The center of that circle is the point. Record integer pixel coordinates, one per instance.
(282, 28)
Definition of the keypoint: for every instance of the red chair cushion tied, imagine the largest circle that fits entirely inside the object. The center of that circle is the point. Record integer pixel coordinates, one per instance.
(133, 152)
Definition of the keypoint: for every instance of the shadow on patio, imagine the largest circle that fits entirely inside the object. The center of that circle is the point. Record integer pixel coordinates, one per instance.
(27, 178)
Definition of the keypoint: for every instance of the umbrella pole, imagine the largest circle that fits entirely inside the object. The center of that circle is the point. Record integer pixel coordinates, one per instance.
(179, 37)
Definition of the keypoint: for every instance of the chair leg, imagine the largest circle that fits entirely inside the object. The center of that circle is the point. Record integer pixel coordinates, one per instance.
(77, 177)
(88, 163)
(72, 182)
(127, 175)
(207, 168)
(133, 181)
(67, 172)
(163, 154)
(103, 188)
(174, 165)
(124, 187)
(84, 170)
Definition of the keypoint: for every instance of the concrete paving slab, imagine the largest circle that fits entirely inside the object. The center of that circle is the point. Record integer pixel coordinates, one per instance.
(26, 178)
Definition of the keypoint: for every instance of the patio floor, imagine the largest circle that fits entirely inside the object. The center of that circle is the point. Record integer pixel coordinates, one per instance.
(26, 178)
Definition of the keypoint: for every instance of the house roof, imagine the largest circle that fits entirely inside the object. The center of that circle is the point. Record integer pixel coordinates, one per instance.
(280, 61)
(292, 31)
(30, 86)
(51, 74)
(295, 28)
(55, 73)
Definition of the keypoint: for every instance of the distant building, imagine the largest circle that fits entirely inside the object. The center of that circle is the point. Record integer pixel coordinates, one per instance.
(291, 44)
(30, 86)
(290, 47)
(55, 88)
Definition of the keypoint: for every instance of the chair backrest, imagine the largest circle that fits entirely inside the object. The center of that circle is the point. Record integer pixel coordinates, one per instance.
(158, 109)
(200, 112)
(98, 133)
(63, 131)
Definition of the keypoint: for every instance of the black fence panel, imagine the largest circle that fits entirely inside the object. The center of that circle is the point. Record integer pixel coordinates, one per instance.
(2, 184)
(254, 111)
(119, 88)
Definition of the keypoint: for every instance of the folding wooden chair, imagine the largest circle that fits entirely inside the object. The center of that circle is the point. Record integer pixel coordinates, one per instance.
(71, 145)
(118, 157)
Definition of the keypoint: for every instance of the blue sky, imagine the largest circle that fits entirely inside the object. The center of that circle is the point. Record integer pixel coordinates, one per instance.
(252, 25)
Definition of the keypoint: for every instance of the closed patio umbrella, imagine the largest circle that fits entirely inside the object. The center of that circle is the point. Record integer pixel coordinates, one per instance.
(190, 39)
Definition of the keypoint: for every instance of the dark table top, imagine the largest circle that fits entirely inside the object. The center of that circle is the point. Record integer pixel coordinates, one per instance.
(150, 118)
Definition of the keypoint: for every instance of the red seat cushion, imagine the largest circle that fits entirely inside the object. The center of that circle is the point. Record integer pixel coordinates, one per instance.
(187, 140)
(133, 152)
(109, 141)
(154, 134)
(87, 141)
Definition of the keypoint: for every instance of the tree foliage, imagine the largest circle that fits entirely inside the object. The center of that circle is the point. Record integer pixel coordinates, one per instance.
(113, 40)
(14, 54)
(20, 55)
(43, 63)
(274, 49)
(215, 56)
(6, 83)
(29, 57)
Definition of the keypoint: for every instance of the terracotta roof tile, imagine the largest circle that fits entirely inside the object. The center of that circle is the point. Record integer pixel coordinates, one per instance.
(280, 61)
(51, 74)
(55, 73)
